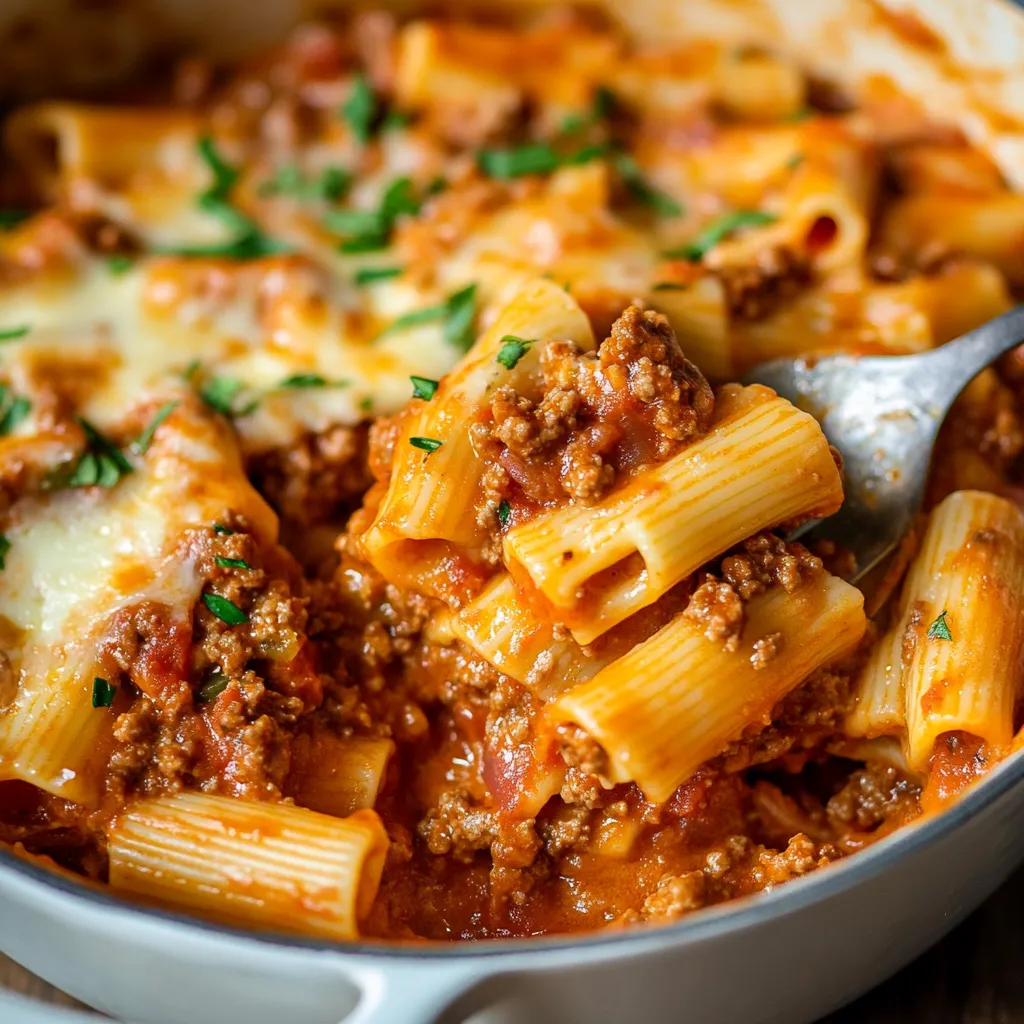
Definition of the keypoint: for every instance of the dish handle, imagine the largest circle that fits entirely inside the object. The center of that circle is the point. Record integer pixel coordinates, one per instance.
(403, 994)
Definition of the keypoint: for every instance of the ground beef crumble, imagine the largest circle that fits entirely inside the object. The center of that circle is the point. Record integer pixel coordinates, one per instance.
(637, 400)
(765, 561)
(752, 292)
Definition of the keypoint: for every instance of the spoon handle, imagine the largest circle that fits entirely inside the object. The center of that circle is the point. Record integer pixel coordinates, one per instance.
(958, 362)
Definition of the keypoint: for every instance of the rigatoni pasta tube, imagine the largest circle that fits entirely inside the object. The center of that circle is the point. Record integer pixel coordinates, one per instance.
(338, 776)
(61, 143)
(431, 495)
(968, 576)
(679, 698)
(268, 865)
(824, 209)
(53, 737)
(879, 702)
(988, 228)
(500, 627)
(762, 463)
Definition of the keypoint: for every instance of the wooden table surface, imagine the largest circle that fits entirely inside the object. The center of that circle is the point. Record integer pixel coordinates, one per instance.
(974, 976)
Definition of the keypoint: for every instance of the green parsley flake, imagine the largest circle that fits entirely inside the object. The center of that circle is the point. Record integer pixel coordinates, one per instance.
(939, 629)
(504, 511)
(224, 531)
(360, 109)
(602, 108)
(212, 688)
(145, 439)
(532, 158)
(224, 175)
(460, 312)
(119, 264)
(423, 387)
(642, 190)
(13, 333)
(12, 218)
(457, 313)
(370, 230)
(366, 404)
(304, 380)
(395, 119)
(103, 693)
(669, 286)
(102, 463)
(225, 610)
(795, 161)
(720, 229)
(232, 563)
(13, 409)
(426, 444)
(249, 242)
(512, 350)
(220, 393)
(371, 275)
(5, 547)
(329, 185)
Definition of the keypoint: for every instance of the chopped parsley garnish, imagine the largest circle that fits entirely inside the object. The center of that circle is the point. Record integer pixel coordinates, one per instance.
(220, 394)
(642, 190)
(395, 119)
(356, 223)
(504, 511)
(249, 242)
(13, 333)
(145, 439)
(5, 546)
(457, 313)
(426, 444)
(212, 688)
(360, 109)
(102, 463)
(719, 229)
(304, 380)
(11, 218)
(370, 275)
(232, 563)
(512, 350)
(119, 264)
(939, 629)
(224, 175)
(418, 316)
(13, 409)
(224, 531)
(366, 404)
(460, 312)
(225, 610)
(370, 230)
(669, 286)
(532, 158)
(103, 693)
(329, 185)
(795, 161)
(423, 387)
(602, 107)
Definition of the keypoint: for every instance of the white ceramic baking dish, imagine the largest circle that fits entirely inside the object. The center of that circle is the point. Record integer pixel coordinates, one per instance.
(787, 955)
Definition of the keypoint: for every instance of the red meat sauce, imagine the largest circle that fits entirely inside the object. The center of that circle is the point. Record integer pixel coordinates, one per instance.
(488, 837)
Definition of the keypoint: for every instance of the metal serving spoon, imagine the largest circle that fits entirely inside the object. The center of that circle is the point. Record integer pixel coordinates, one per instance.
(883, 413)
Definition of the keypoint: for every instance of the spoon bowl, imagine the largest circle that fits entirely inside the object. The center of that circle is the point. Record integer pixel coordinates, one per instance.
(883, 414)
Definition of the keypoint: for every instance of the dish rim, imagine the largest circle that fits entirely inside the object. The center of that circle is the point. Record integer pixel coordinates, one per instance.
(714, 922)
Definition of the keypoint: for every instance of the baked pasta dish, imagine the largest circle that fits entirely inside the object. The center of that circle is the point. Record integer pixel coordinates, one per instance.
(387, 549)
